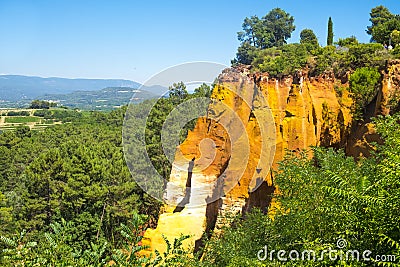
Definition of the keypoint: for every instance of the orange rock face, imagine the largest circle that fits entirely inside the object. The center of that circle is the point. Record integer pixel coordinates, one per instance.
(362, 134)
(251, 123)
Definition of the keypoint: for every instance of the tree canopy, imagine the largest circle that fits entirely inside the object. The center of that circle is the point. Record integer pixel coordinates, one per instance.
(280, 25)
(42, 104)
(308, 37)
(383, 24)
(348, 41)
(271, 30)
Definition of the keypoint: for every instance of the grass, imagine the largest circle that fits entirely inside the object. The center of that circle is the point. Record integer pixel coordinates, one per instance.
(21, 119)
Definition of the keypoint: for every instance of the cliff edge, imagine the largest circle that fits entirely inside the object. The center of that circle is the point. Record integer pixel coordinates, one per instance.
(231, 155)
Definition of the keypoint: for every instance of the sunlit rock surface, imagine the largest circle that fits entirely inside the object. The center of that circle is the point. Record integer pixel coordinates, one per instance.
(304, 112)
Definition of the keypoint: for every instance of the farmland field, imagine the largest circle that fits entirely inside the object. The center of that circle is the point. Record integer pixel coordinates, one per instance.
(24, 119)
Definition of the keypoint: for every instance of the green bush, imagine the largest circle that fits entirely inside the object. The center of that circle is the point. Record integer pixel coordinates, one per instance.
(18, 113)
(64, 115)
(42, 104)
(366, 55)
(363, 85)
(352, 40)
(42, 113)
(245, 54)
(396, 51)
(308, 37)
(283, 61)
(339, 60)
(325, 59)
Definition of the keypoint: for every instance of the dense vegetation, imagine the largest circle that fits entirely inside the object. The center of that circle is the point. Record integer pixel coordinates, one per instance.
(75, 171)
(67, 197)
(42, 104)
(287, 59)
(18, 113)
(66, 194)
(280, 59)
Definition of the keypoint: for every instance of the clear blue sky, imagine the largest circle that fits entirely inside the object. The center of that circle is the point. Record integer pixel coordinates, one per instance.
(136, 39)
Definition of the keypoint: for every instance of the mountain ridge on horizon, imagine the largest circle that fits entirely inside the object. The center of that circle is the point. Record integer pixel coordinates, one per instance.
(19, 90)
(59, 77)
(17, 87)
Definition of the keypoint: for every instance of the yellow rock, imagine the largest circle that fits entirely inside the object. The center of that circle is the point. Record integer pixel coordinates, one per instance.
(308, 112)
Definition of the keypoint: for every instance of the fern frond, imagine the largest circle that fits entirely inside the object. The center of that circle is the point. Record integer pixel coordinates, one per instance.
(8, 241)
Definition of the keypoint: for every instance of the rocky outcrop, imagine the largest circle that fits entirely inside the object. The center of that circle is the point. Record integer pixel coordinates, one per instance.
(362, 136)
(252, 122)
(389, 95)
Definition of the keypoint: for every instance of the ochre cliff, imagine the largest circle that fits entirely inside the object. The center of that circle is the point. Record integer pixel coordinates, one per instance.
(303, 112)
(363, 136)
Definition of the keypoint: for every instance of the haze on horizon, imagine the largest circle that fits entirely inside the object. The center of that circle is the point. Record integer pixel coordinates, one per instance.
(135, 40)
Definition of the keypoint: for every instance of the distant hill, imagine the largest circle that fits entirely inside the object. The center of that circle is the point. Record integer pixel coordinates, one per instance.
(18, 87)
(105, 99)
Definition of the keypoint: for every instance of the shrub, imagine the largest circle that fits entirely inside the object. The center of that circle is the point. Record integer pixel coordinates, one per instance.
(39, 104)
(42, 113)
(18, 113)
(363, 83)
(352, 40)
(366, 55)
(284, 61)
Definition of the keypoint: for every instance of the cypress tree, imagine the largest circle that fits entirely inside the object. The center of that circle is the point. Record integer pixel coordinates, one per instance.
(330, 32)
